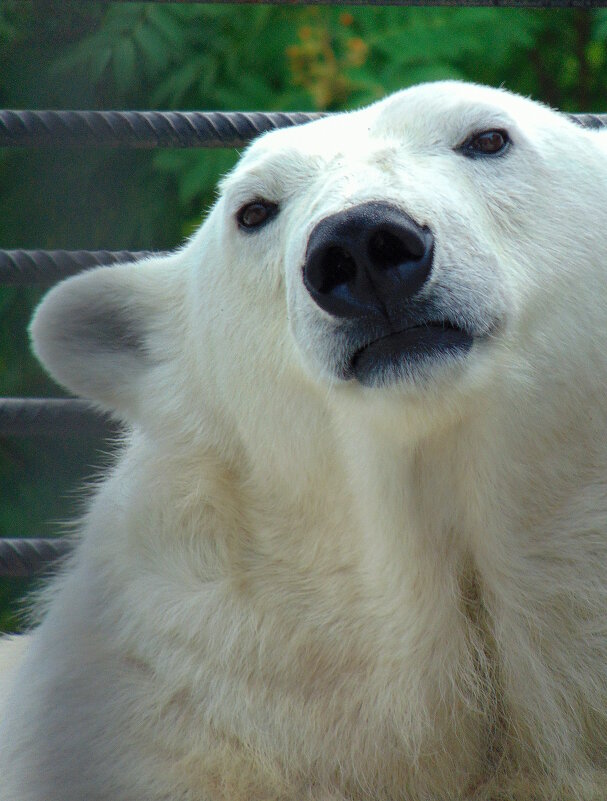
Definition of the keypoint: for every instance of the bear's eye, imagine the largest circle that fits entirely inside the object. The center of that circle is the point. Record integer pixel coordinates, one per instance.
(255, 214)
(486, 143)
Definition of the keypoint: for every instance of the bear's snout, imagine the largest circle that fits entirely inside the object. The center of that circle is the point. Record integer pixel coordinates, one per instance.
(365, 261)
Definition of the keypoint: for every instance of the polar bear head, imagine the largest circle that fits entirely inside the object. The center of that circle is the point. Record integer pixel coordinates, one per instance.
(407, 255)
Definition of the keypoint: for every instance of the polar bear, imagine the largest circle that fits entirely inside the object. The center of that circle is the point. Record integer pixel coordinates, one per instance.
(354, 547)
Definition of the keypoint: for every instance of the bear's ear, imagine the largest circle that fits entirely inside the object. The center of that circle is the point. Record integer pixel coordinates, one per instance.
(91, 332)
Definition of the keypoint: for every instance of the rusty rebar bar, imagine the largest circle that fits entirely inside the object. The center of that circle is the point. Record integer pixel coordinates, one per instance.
(19, 267)
(27, 557)
(140, 129)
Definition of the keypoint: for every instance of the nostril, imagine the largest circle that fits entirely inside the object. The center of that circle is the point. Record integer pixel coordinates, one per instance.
(385, 249)
(335, 267)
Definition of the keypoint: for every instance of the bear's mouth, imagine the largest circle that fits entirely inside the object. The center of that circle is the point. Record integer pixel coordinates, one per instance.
(399, 352)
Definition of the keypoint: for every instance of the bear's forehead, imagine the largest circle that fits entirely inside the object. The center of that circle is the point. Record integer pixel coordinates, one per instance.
(442, 112)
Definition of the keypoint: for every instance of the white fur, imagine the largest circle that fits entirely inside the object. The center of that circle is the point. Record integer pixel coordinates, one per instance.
(292, 586)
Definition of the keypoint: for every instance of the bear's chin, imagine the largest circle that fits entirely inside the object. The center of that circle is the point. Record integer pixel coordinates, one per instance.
(406, 354)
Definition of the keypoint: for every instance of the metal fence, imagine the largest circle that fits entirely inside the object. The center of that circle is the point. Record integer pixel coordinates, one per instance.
(132, 129)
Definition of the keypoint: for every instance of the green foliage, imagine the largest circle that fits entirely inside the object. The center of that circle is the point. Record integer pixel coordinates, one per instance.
(71, 54)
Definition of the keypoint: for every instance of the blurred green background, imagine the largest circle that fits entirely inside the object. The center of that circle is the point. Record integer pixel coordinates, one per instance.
(176, 56)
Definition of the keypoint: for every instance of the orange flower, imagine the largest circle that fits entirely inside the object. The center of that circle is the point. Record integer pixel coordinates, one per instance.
(357, 45)
(357, 51)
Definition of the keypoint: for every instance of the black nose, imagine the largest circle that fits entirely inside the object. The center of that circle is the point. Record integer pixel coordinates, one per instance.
(367, 260)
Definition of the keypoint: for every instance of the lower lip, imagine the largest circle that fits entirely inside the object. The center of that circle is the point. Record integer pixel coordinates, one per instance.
(389, 355)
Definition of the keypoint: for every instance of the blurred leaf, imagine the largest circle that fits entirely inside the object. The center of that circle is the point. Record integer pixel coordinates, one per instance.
(600, 23)
(153, 48)
(167, 24)
(123, 64)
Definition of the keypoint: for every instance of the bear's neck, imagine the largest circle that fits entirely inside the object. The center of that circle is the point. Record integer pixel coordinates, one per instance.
(510, 529)
(445, 567)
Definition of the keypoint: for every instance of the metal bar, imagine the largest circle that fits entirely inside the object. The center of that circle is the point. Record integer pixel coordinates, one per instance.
(589, 120)
(18, 267)
(51, 417)
(30, 556)
(149, 129)
(140, 129)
